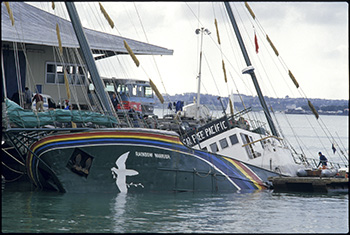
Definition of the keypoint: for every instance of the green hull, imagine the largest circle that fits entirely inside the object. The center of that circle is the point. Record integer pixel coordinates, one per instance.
(135, 160)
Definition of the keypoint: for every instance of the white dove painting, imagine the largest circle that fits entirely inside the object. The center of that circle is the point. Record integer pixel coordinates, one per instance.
(121, 172)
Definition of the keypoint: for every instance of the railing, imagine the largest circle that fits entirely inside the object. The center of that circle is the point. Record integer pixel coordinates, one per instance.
(267, 137)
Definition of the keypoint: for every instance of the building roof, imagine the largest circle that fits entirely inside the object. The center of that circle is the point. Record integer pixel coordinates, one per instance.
(35, 26)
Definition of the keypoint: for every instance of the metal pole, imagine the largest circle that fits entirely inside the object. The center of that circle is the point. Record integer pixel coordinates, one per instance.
(199, 77)
(222, 106)
(87, 55)
(4, 89)
(252, 74)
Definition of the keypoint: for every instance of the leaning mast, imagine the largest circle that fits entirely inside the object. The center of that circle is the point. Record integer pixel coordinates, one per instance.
(250, 69)
(87, 55)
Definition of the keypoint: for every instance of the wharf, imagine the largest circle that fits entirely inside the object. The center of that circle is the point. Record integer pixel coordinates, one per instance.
(309, 184)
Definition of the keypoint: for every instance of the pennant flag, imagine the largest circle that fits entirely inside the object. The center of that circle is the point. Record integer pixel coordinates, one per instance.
(256, 43)
(333, 148)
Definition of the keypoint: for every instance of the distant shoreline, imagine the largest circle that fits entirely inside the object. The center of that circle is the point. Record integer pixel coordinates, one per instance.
(332, 107)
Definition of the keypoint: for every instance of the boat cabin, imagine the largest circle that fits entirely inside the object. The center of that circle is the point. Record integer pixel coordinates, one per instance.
(131, 93)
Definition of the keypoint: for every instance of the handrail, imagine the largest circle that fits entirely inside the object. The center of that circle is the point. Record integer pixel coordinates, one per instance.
(253, 142)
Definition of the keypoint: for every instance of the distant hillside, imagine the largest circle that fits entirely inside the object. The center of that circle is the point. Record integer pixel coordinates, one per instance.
(278, 104)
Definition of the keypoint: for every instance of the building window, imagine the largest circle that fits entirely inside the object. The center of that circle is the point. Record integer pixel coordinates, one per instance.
(234, 139)
(55, 73)
(80, 77)
(223, 143)
(214, 147)
(205, 149)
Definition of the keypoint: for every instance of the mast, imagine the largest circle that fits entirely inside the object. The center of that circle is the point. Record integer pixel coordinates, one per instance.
(199, 77)
(250, 69)
(87, 55)
(201, 31)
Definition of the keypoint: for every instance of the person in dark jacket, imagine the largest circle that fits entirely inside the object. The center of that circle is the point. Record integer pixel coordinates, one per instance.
(15, 98)
(115, 101)
(323, 160)
(27, 98)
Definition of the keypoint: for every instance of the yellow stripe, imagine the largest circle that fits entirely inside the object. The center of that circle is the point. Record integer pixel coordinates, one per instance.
(103, 136)
(244, 172)
(95, 136)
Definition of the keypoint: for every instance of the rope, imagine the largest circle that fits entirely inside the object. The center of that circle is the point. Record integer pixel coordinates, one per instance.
(299, 89)
(18, 172)
(13, 157)
(222, 56)
(18, 74)
(202, 176)
(9, 181)
(155, 63)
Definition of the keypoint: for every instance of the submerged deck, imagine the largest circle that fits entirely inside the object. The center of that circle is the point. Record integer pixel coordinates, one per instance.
(310, 184)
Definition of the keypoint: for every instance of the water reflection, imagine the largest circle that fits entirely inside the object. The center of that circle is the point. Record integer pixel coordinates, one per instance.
(254, 212)
(118, 212)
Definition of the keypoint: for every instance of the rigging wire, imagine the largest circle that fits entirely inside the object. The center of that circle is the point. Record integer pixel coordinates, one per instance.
(268, 77)
(18, 74)
(300, 91)
(154, 60)
(222, 58)
(218, 46)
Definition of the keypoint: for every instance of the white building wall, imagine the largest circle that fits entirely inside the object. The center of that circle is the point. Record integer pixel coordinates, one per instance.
(37, 57)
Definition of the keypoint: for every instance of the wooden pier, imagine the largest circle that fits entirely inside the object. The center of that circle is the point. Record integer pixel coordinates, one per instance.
(309, 184)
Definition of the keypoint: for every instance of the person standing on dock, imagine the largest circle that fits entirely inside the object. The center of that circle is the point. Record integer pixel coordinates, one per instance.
(323, 161)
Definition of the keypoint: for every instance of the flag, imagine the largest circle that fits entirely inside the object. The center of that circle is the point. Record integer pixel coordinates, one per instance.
(256, 43)
(333, 148)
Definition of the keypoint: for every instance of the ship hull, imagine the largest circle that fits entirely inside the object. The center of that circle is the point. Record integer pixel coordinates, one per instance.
(131, 160)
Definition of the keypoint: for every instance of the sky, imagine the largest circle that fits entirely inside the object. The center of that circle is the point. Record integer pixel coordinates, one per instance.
(311, 38)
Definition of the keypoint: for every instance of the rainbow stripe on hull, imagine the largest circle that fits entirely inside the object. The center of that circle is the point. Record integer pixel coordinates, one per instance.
(161, 161)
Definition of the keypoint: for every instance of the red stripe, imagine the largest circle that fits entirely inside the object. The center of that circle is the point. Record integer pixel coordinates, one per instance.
(122, 133)
(249, 171)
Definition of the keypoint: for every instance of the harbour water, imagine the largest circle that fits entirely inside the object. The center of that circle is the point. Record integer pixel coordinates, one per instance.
(25, 210)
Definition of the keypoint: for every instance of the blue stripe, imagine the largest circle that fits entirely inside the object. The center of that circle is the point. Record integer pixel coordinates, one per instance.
(225, 166)
(109, 141)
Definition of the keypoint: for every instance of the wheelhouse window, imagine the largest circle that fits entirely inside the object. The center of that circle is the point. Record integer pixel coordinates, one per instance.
(123, 89)
(109, 87)
(134, 90)
(223, 143)
(249, 146)
(233, 139)
(140, 92)
(148, 92)
(55, 73)
(214, 148)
